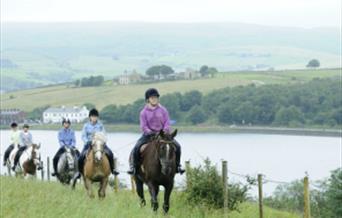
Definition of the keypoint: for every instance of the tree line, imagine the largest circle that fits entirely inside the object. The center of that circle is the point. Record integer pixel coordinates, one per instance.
(318, 102)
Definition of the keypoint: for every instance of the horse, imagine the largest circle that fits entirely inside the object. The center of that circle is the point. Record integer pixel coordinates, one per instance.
(96, 166)
(158, 167)
(67, 166)
(29, 161)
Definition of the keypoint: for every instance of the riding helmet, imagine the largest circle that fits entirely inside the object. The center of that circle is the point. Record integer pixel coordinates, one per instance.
(151, 92)
(65, 121)
(26, 125)
(14, 124)
(93, 112)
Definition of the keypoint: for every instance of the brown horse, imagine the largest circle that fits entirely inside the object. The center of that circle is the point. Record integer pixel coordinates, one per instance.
(29, 161)
(158, 167)
(96, 167)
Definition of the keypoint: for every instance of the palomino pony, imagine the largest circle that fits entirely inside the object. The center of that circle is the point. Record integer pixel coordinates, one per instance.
(67, 166)
(29, 161)
(96, 166)
(158, 167)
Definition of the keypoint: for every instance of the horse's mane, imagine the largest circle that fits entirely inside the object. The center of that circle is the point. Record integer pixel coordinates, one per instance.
(99, 136)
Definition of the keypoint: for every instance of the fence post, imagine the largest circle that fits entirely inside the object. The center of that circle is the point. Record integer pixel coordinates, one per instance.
(42, 171)
(133, 184)
(187, 171)
(116, 179)
(225, 187)
(306, 198)
(48, 168)
(261, 212)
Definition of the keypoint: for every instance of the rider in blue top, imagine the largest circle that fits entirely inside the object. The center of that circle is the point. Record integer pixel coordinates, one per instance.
(66, 138)
(89, 128)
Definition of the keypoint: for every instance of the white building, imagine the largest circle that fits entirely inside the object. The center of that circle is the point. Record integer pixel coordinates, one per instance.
(56, 114)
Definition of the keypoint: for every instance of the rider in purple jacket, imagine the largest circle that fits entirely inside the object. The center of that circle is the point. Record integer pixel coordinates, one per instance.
(153, 118)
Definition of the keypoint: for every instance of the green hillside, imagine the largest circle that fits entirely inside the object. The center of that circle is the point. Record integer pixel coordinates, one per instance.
(61, 52)
(119, 95)
(29, 198)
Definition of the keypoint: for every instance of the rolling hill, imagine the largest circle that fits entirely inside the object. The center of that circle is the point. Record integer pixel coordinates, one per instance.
(52, 53)
(119, 95)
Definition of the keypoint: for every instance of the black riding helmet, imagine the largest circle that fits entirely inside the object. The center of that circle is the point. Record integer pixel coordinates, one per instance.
(93, 112)
(65, 121)
(14, 124)
(151, 92)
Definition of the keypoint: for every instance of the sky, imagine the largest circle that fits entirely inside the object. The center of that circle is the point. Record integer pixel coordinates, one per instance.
(294, 13)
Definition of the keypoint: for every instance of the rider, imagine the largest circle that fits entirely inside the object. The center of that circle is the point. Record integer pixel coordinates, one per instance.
(66, 138)
(89, 128)
(25, 141)
(14, 141)
(153, 118)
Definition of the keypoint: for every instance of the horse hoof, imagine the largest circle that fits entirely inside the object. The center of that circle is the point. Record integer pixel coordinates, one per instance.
(155, 206)
(92, 196)
(166, 208)
(142, 203)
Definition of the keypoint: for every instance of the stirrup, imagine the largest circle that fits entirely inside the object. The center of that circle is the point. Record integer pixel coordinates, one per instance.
(132, 171)
(180, 170)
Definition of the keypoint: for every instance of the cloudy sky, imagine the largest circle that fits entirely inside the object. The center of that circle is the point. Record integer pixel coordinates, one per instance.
(298, 13)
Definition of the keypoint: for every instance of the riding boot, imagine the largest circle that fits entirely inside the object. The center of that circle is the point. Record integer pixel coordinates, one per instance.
(17, 156)
(110, 157)
(132, 166)
(178, 157)
(7, 153)
(55, 161)
(135, 154)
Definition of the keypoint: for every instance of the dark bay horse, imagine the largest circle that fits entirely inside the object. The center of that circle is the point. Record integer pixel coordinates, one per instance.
(158, 167)
(96, 166)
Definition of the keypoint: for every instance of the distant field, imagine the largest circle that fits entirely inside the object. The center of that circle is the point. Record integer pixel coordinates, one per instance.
(27, 198)
(63, 52)
(109, 94)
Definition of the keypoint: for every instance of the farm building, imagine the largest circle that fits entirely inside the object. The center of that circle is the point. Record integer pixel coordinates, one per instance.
(56, 114)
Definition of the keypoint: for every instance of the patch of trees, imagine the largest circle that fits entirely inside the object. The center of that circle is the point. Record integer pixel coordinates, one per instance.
(325, 199)
(206, 71)
(314, 63)
(159, 71)
(89, 81)
(318, 102)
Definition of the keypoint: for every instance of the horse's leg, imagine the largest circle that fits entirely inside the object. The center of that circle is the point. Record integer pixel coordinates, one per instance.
(87, 184)
(154, 189)
(103, 186)
(168, 190)
(74, 180)
(140, 190)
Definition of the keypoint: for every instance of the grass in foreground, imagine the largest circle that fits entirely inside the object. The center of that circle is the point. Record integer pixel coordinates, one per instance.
(30, 198)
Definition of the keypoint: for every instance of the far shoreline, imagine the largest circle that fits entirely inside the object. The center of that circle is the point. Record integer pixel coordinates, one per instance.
(134, 128)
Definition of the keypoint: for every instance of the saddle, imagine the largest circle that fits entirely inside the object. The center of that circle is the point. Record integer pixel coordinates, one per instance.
(142, 148)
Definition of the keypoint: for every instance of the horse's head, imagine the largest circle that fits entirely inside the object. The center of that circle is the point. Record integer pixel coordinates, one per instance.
(35, 154)
(97, 145)
(69, 157)
(166, 151)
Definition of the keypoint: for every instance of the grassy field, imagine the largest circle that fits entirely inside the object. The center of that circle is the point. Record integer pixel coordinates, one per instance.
(110, 94)
(29, 198)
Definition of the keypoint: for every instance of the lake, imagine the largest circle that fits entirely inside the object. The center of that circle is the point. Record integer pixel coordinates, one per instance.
(279, 157)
